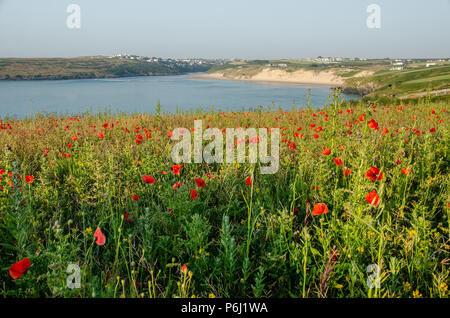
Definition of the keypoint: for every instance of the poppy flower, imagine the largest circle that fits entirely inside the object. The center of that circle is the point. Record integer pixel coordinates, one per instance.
(200, 183)
(184, 269)
(29, 179)
(347, 172)
(74, 138)
(249, 181)
(320, 208)
(373, 124)
(18, 269)
(101, 135)
(177, 185)
(374, 174)
(338, 162)
(176, 169)
(135, 197)
(373, 198)
(432, 130)
(148, 179)
(406, 171)
(101, 238)
(194, 194)
(127, 217)
(326, 151)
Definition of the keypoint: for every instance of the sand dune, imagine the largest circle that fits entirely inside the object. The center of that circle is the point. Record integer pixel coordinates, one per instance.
(281, 76)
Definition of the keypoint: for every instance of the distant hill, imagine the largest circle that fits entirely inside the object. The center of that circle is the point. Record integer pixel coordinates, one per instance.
(87, 67)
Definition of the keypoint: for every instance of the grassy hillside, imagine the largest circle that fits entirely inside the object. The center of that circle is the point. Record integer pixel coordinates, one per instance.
(405, 82)
(82, 67)
(369, 77)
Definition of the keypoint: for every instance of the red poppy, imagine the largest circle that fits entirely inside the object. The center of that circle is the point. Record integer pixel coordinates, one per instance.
(406, 171)
(347, 172)
(101, 135)
(101, 238)
(177, 185)
(338, 162)
(135, 197)
(326, 151)
(432, 130)
(194, 194)
(374, 174)
(373, 198)
(373, 124)
(176, 169)
(127, 217)
(74, 138)
(18, 269)
(320, 208)
(148, 179)
(29, 179)
(184, 269)
(200, 183)
(249, 181)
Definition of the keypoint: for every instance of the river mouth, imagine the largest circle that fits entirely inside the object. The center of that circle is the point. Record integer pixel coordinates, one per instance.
(176, 94)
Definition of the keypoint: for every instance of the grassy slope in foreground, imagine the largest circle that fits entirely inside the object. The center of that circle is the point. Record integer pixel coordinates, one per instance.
(236, 240)
(78, 68)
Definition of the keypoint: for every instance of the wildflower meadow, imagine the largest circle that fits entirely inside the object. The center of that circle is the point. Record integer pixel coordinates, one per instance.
(92, 205)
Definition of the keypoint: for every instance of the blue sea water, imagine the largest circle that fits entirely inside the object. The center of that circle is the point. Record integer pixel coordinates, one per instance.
(141, 94)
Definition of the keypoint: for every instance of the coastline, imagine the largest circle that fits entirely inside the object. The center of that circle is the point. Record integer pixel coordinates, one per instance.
(304, 77)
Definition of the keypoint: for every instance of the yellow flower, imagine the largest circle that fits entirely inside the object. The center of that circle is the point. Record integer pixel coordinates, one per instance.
(211, 295)
(88, 230)
(417, 294)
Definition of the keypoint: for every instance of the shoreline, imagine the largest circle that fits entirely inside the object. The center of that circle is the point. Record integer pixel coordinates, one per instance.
(279, 77)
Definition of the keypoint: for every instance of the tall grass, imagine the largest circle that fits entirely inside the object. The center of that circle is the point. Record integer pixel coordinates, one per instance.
(235, 240)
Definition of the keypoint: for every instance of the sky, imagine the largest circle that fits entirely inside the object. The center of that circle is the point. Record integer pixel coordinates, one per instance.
(248, 29)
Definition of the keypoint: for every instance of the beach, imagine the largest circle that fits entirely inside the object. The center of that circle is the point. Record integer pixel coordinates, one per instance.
(280, 76)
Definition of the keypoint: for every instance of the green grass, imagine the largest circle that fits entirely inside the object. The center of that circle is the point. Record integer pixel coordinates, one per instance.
(236, 240)
(407, 81)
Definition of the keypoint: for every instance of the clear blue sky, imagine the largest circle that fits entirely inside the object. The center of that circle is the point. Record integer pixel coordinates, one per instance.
(225, 28)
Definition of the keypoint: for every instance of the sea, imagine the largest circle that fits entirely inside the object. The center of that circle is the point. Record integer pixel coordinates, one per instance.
(175, 94)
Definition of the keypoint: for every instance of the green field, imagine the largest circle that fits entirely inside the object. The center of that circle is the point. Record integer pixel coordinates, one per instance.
(359, 188)
(409, 81)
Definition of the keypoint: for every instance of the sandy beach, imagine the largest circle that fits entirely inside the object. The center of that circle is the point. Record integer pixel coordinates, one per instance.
(281, 76)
